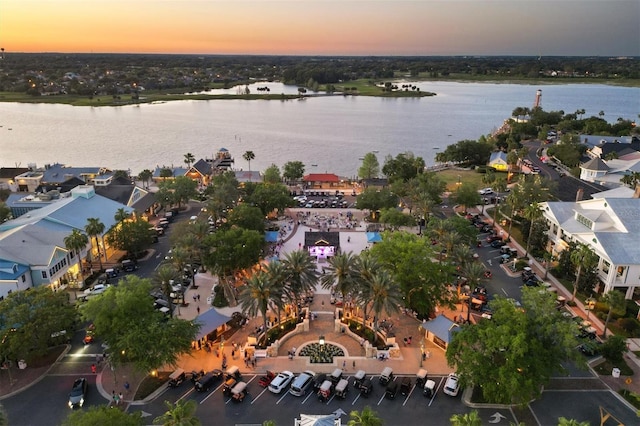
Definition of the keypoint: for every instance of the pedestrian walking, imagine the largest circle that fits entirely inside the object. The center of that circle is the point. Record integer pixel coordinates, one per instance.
(489, 262)
(114, 397)
(233, 354)
(198, 297)
(354, 366)
(93, 368)
(126, 387)
(195, 298)
(198, 310)
(120, 397)
(344, 365)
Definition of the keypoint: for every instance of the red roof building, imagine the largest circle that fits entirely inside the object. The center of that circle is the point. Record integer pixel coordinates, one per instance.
(318, 179)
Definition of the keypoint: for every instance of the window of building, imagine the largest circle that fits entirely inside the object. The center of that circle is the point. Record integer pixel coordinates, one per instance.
(44, 274)
(583, 220)
(24, 278)
(621, 270)
(605, 266)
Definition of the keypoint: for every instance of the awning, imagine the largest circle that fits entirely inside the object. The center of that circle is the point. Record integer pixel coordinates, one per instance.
(209, 321)
(442, 327)
(374, 237)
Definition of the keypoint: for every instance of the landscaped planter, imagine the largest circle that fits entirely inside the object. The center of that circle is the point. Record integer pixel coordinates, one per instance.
(321, 354)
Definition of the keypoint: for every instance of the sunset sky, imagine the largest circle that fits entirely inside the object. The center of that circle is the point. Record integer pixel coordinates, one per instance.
(324, 27)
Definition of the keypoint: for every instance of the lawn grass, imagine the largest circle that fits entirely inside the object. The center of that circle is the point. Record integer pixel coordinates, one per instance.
(451, 177)
(150, 384)
(632, 397)
(606, 367)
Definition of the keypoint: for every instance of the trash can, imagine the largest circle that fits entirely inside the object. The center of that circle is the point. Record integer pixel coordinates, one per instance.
(615, 372)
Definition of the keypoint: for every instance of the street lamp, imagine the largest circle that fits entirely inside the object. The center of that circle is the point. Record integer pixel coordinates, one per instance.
(591, 303)
(321, 341)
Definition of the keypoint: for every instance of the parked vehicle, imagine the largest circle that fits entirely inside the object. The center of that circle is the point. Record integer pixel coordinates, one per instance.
(281, 381)
(342, 388)
(405, 386)
(206, 382)
(386, 376)
(358, 378)
(228, 385)
(429, 388)
(392, 390)
(498, 243)
(324, 393)
(176, 378)
(233, 371)
(128, 265)
(421, 377)
(265, 380)
(318, 381)
(335, 376)
(302, 383)
(365, 387)
(239, 391)
(451, 386)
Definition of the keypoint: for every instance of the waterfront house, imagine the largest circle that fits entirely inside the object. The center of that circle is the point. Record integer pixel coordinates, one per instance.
(610, 227)
(321, 180)
(498, 161)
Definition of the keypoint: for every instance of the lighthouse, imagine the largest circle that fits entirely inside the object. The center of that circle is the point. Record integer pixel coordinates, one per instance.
(536, 103)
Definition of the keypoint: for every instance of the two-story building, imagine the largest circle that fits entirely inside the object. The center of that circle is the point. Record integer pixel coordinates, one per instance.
(610, 227)
(32, 247)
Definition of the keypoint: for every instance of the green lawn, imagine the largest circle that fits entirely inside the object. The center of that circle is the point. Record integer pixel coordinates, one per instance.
(452, 176)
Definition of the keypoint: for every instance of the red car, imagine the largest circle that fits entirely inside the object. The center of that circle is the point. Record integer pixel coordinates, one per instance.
(266, 379)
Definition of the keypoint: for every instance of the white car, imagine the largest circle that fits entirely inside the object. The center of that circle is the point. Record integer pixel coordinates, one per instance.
(281, 381)
(451, 386)
(486, 191)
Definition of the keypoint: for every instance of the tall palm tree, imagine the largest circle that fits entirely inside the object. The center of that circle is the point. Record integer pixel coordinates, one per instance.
(581, 257)
(366, 417)
(448, 242)
(182, 413)
(301, 274)
(256, 295)
(162, 279)
(145, 176)
(469, 419)
(532, 212)
(277, 275)
(341, 272)
(94, 229)
(121, 215)
(189, 159)
(77, 241)
(248, 156)
(366, 268)
(385, 294)
(616, 301)
(462, 255)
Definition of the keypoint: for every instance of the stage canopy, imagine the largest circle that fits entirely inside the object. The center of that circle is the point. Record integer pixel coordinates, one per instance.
(374, 237)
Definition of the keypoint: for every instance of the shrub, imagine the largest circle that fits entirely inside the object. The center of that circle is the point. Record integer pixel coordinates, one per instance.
(613, 348)
(630, 325)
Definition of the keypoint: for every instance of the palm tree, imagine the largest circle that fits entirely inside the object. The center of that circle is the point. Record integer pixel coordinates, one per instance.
(77, 241)
(462, 255)
(183, 413)
(277, 274)
(145, 176)
(469, 419)
(162, 279)
(248, 156)
(366, 417)
(301, 274)
(533, 213)
(616, 301)
(189, 159)
(448, 242)
(583, 256)
(366, 268)
(562, 421)
(256, 295)
(121, 215)
(384, 294)
(341, 272)
(94, 229)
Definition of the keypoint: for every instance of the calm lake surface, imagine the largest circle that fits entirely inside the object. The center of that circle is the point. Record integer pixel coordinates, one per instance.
(328, 134)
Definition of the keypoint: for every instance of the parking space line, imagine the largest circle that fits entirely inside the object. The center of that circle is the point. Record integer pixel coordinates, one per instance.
(505, 292)
(357, 397)
(186, 394)
(435, 392)
(308, 396)
(259, 395)
(211, 393)
(282, 397)
(331, 399)
(408, 396)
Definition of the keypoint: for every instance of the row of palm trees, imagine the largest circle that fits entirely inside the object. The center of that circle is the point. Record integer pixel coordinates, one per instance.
(93, 231)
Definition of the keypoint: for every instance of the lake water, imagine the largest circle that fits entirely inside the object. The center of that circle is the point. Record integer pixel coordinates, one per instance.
(328, 134)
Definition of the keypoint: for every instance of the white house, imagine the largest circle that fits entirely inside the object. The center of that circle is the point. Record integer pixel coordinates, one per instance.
(610, 227)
